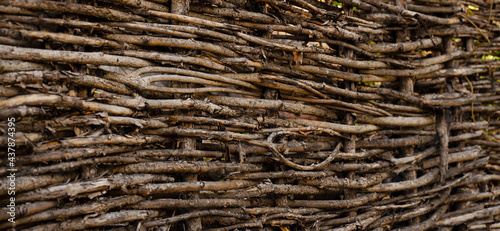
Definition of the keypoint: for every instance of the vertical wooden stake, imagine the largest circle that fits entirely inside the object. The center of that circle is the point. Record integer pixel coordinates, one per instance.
(442, 131)
(182, 7)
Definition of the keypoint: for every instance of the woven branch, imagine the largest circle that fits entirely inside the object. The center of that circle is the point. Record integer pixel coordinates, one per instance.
(255, 114)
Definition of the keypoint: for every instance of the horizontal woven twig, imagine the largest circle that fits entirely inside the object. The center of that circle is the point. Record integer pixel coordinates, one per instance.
(224, 115)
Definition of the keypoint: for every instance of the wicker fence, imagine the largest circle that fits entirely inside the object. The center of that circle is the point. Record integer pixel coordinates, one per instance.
(250, 114)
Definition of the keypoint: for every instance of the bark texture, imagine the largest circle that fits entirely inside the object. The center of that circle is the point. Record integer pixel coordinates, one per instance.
(250, 114)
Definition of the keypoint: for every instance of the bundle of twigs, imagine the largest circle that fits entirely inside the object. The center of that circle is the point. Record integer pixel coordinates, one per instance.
(251, 114)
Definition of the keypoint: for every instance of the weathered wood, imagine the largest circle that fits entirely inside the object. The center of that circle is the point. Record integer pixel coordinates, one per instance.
(238, 114)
